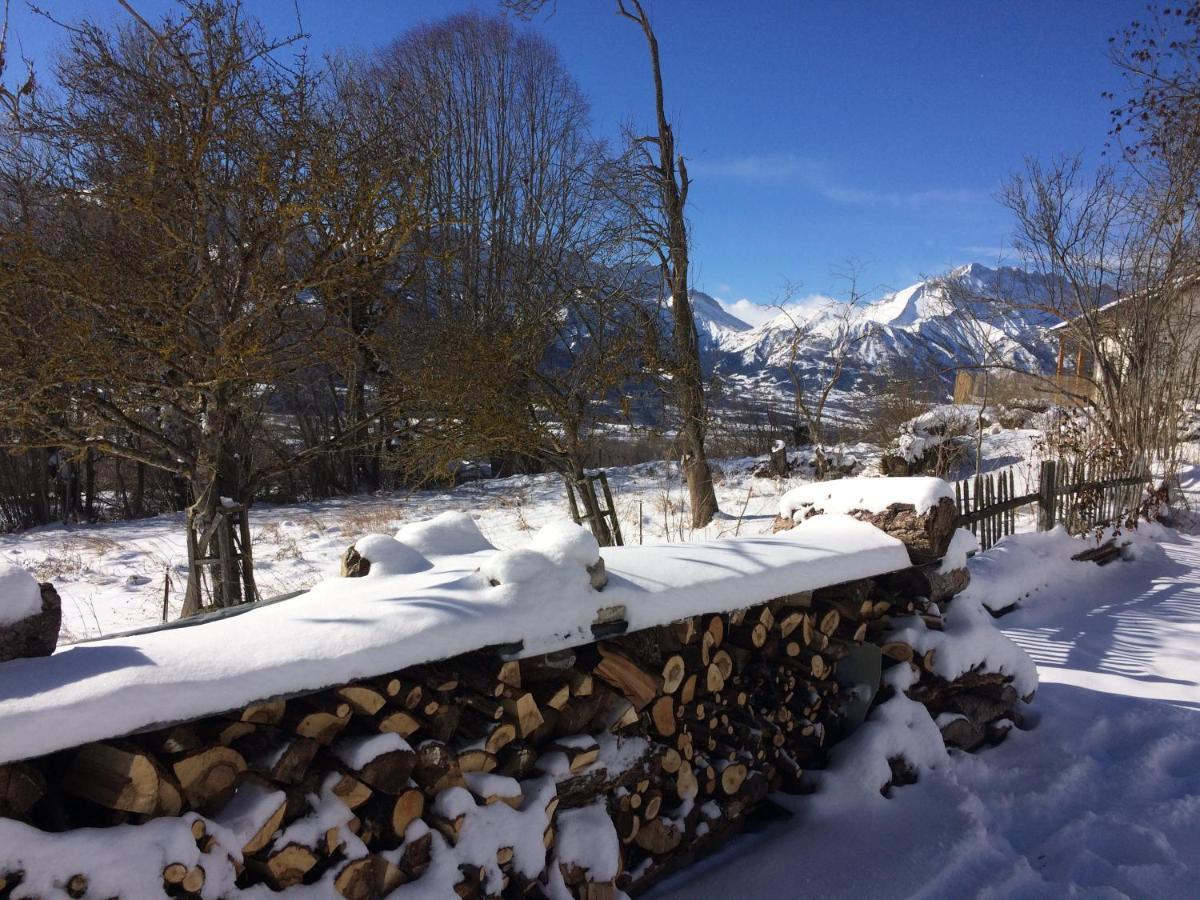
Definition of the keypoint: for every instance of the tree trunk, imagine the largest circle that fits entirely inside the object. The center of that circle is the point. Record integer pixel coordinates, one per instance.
(211, 544)
(688, 376)
(89, 480)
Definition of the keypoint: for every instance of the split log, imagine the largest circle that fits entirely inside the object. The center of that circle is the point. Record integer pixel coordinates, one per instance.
(619, 670)
(208, 778)
(21, 787)
(115, 777)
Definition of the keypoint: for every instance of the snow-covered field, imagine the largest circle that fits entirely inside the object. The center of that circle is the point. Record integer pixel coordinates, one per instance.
(111, 575)
(1099, 797)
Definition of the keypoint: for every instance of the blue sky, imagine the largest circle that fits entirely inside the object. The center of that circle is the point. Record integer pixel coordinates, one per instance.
(816, 132)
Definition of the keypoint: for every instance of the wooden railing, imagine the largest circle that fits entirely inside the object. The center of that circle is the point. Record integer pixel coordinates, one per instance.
(1080, 496)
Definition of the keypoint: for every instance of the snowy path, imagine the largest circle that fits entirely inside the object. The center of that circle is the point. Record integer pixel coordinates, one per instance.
(1100, 798)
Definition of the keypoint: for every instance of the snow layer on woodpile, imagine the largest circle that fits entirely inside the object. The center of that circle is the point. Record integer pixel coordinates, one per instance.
(20, 596)
(485, 830)
(844, 495)
(448, 534)
(968, 640)
(358, 752)
(350, 628)
(388, 556)
(119, 861)
(587, 840)
(897, 728)
(962, 546)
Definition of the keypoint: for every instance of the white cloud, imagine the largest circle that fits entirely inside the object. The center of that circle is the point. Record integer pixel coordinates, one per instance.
(817, 176)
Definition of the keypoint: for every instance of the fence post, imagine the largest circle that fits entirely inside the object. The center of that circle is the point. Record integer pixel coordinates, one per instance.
(1046, 489)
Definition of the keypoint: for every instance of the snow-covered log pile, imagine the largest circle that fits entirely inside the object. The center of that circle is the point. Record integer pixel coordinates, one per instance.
(919, 512)
(30, 615)
(459, 721)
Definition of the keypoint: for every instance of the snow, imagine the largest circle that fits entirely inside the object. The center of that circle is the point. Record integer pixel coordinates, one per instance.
(350, 628)
(20, 596)
(1021, 564)
(327, 811)
(119, 861)
(388, 556)
(587, 840)
(1097, 795)
(485, 784)
(968, 640)
(357, 752)
(846, 495)
(448, 534)
(485, 830)
(563, 541)
(962, 546)
(250, 808)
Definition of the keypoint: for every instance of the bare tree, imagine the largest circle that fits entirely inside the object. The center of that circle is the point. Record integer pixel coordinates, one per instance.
(815, 356)
(168, 264)
(522, 323)
(1105, 236)
(663, 167)
(660, 209)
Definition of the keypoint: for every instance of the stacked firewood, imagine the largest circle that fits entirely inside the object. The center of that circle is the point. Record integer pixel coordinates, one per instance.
(679, 731)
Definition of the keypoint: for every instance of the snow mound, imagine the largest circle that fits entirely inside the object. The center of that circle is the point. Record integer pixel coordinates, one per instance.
(523, 566)
(448, 534)
(20, 596)
(1020, 564)
(874, 495)
(587, 840)
(564, 541)
(897, 728)
(388, 556)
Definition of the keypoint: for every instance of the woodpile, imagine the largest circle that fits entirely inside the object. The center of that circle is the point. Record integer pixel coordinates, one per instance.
(35, 635)
(678, 733)
(926, 535)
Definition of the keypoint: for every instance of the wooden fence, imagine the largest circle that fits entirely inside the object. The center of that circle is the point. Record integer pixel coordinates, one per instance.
(1080, 496)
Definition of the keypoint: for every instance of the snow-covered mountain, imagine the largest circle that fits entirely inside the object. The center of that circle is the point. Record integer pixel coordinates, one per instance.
(925, 330)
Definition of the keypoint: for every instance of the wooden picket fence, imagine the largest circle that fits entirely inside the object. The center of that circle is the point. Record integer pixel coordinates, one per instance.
(1080, 496)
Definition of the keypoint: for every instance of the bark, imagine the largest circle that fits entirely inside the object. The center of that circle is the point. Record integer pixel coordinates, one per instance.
(688, 378)
(217, 476)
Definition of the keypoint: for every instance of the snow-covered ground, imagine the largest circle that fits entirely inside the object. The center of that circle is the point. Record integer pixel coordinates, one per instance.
(111, 575)
(1098, 797)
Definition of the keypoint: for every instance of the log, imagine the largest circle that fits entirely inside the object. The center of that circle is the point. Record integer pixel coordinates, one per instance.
(322, 721)
(657, 837)
(619, 670)
(21, 787)
(363, 699)
(208, 778)
(253, 815)
(388, 772)
(359, 878)
(399, 722)
(115, 777)
(662, 714)
(266, 712)
(285, 867)
(523, 713)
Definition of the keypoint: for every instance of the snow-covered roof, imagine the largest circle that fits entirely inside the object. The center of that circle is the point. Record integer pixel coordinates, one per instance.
(844, 495)
(396, 616)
